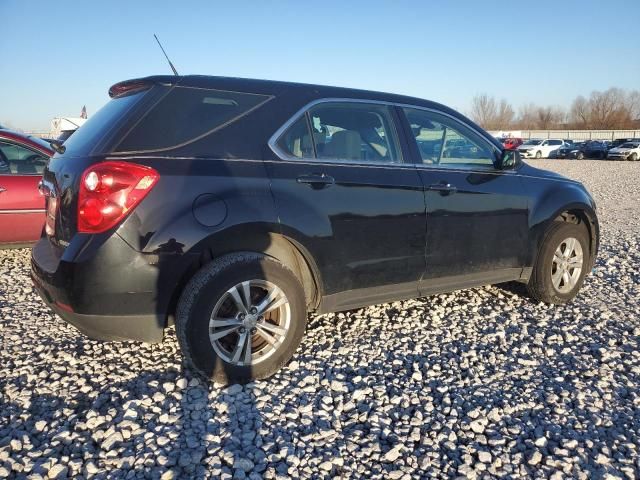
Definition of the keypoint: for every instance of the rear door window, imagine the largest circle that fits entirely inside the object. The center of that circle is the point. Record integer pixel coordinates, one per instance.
(354, 131)
(343, 131)
(185, 114)
(296, 140)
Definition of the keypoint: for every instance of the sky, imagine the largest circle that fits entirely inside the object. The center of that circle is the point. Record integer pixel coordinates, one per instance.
(58, 56)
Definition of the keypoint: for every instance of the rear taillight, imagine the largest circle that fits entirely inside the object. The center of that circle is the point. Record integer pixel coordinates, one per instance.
(109, 191)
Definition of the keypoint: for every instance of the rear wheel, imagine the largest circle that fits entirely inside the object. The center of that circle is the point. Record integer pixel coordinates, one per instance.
(561, 265)
(240, 318)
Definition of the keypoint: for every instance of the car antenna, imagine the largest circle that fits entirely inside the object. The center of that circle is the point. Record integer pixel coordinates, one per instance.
(175, 72)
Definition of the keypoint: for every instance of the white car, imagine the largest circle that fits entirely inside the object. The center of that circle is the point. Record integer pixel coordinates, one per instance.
(540, 148)
(626, 151)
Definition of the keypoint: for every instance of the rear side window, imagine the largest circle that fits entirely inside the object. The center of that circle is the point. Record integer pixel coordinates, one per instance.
(185, 114)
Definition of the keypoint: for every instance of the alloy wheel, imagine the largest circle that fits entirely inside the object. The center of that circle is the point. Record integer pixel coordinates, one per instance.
(566, 265)
(249, 322)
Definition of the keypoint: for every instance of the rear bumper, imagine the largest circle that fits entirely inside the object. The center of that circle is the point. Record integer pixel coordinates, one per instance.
(106, 289)
(144, 328)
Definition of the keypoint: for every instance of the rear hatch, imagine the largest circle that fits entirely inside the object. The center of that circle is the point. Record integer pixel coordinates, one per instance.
(143, 119)
(88, 145)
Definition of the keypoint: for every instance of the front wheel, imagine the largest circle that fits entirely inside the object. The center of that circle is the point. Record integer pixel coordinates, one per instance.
(240, 318)
(561, 265)
(538, 155)
(580, 156)
(633, 157)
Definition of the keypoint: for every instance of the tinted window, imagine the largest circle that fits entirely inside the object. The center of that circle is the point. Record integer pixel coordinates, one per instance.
(185, 114)
(18, 160)
(444, 141)
(555, 142)
(354, 131)
(86, 137)
(296, 141)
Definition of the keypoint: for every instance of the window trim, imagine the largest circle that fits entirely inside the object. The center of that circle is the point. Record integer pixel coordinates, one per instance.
(37, 152)
(273, 140)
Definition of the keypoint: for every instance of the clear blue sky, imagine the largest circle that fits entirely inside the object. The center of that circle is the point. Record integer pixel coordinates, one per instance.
(61, 55)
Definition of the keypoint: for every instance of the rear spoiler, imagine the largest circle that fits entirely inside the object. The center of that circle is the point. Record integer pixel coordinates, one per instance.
(129, 86)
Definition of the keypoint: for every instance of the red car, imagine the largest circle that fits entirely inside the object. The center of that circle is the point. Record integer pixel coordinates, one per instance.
(22, 160)
(511, 143)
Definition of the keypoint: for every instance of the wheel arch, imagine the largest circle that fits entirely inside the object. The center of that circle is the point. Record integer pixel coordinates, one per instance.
(257, 240)
(573, 205)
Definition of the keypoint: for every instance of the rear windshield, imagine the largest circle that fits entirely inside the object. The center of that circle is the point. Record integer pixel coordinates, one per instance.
(186, 114)
(86, 137)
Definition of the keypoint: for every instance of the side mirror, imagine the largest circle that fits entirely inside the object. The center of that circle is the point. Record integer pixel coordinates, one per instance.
(509, 159)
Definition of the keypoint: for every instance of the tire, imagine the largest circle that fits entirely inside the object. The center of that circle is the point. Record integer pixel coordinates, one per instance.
(538, 155)
(210, 289)
(601, 155)
(633, 157)
(541, 285)
(580, 156)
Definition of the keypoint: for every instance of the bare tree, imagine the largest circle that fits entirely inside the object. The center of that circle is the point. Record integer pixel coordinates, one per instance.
(483, 110)
(634, 104)
(579, 113)
(611, 109)
(527, 116)
(607, 109)
(504, 116)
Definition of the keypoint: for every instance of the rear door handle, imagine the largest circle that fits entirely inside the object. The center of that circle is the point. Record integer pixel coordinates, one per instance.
(443, 188)
(317, 180)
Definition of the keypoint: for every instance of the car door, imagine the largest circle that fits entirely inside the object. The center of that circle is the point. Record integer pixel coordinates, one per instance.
(21, 205)
(349, 195)
(477, 216)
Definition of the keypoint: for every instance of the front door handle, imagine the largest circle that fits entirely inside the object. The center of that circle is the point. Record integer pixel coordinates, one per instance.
(317, 180)
(443, 188)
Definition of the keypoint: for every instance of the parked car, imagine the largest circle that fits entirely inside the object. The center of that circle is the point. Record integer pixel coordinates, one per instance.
(566, 150)
(511, 143)
(626, 151)
(237, 206)
(591, 149)
(540, 148)
(22, 161)
(619, 141)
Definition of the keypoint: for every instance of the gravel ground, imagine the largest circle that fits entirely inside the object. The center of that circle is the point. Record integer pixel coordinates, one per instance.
(478, 383)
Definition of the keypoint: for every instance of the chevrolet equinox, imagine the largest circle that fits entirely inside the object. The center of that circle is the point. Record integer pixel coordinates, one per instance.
(233, 207)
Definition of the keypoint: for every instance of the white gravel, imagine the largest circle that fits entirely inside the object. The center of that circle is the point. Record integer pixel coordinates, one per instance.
(479, 383)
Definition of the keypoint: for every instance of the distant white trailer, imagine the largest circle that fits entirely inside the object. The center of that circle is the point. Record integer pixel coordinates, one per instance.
(65, 126)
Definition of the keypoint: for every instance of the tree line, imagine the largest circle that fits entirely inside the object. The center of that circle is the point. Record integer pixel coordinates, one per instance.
(612, 109)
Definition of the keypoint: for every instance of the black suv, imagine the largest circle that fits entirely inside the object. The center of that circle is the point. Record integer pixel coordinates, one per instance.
(233, 207)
